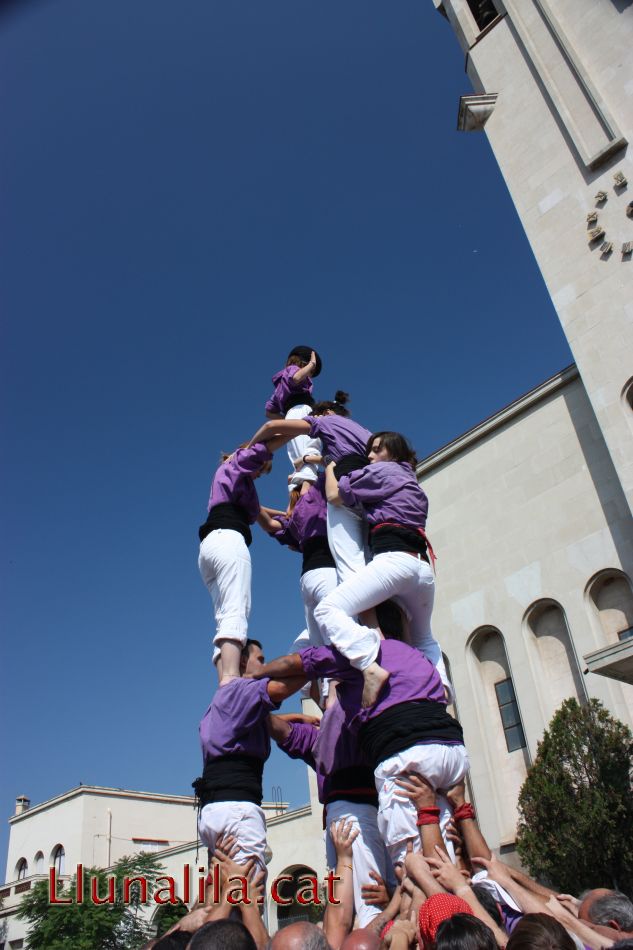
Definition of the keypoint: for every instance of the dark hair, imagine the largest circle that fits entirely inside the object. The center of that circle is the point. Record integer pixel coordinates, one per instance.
(396, 444)
(246, 649)
(614, 906)
(540, 932)
(179, 940)
(488, 902)
(464, 932)
(337, 405)
(626, 944)
(391, 620)
(223, 935)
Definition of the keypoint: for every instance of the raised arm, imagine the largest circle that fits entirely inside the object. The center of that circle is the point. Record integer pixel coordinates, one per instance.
(304, 371)
(266, 521)
(282, 668)
(339, 915)
(282, 429)
(281, 689)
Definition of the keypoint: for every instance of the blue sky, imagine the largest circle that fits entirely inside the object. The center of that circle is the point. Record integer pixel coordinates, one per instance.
(187, 191)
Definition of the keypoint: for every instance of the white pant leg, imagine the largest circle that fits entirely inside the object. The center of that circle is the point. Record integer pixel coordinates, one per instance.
(225, 566)
(384, 577)
(302, 445)
(416, 597)
(315, 587)
(368, 851)
(244, 820)
(441, 765)
(346, 534)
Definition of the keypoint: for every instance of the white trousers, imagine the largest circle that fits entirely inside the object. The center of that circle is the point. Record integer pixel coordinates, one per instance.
(225, 565)
(395, 574)
(368, 851)
(442, 766)
(347, 537)
(315, 586)
(302, 445)
(244, 820)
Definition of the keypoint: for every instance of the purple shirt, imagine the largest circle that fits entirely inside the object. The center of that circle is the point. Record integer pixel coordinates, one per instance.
(308, 519)
(387, 491)
(331, 747)
(236, 720)
(285, 387)
(340, 436)
(233, 481)
(413, 677)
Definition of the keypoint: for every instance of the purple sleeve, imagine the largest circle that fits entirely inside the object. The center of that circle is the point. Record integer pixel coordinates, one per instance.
(248, 461)
(272, 405)
(249, 706)
(285, 534)
(300, 742)
(326, 661)
(363, 486)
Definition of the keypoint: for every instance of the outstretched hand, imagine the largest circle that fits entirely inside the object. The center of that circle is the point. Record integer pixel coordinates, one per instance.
(444, 871)
(416, 788)
(375, 894)
(343, 837)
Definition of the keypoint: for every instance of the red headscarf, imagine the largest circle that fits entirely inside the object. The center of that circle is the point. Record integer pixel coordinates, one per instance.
(437, 908)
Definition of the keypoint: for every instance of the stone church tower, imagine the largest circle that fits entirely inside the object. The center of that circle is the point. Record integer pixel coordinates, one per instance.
(553, 84)
(531, 510)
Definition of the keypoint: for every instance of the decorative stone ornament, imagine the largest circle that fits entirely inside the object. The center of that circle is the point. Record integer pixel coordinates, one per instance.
(597, 232)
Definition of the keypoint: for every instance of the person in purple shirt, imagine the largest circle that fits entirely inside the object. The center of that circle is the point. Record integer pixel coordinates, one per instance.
(395, 508)
(345, 443)
(224, 560)
(304, 528)
(406, 730)
(346, 788)
(292, 399)
(235, 744)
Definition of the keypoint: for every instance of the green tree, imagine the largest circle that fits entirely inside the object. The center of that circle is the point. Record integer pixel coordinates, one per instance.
(86, 926)
(576, 804)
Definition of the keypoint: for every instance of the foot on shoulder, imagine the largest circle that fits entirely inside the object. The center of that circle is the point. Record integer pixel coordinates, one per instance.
(375, 679)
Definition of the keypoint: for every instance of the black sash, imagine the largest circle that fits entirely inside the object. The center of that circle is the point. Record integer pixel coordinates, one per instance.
(392, 537)
(350, 463)
(231, 778)
(353, 784)
(316, 553)
(227, 515)
(407, 724)
(297, 399)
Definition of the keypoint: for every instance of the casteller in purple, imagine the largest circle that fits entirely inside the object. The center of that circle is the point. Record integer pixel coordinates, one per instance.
(235, 742)
(233, 481)
(388, 492)
(286, 389)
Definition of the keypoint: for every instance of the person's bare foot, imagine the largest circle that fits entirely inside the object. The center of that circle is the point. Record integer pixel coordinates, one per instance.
(374, 680)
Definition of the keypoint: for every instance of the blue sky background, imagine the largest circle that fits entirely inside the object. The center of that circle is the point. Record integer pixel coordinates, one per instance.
(188, 190)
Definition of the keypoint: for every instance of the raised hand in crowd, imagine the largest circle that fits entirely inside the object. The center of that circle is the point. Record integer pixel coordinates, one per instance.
(339, 915)
(420, 793)
(401, 935)
(375, 894)
(453, 880)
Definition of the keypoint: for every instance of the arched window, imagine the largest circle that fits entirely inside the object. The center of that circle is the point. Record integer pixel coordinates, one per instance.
(39, 863)
(610, 593)
(58, 860)
(21, 869)
(627, 394)
(483, 11)
(500, 721)
(558, 675)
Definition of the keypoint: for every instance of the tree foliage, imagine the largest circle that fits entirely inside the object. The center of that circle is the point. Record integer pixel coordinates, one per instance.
(88, 925)
(576, 804)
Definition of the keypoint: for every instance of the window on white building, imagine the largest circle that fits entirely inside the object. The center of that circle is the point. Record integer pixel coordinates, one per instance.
(21, 869)
(510, 718)
(58, 860)
(39, 863)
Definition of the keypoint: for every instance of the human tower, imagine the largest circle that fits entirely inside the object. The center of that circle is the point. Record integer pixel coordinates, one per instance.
(357, 516)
